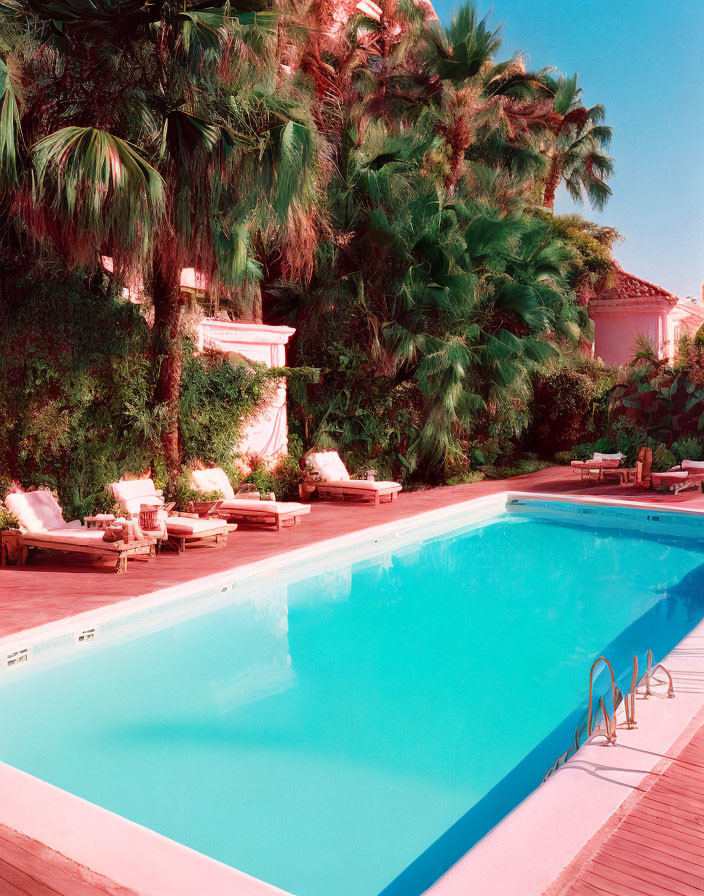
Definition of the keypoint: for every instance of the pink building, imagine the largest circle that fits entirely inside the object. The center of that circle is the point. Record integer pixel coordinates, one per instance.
(630, 306)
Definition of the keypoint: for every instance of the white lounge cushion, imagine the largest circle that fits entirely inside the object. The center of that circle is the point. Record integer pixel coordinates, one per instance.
(329, 465)
(131, 494)
(38, 511)
(84, 537)
(694, 466)
(334, 474)
(264, 508)
(671, 476)
(187, 525)
(599, 460)
(214, 479)
(608, 460)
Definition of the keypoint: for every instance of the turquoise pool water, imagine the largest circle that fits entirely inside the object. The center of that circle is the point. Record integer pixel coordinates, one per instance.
(354, 733)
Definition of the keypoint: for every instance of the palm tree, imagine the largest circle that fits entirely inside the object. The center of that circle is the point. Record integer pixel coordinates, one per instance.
(441, 305)
(436, 296)
(578, 147)
(162, 134)
(493, 108)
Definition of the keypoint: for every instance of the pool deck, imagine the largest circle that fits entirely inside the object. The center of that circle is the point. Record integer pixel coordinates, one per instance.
(28, 868)
(648, 844)
(654, 844)
(49, 589)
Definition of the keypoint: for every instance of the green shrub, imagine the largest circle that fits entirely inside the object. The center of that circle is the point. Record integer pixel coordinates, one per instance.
(484, 452)
(583, 451)
(519, 467)
(7, 519)
(688, 448)
(76, 394)
(563, 458)
(182, 492)
(605, 446)
(628, 437)
(76, 387)
(217, 398)
(283, 479)
(457, 466)
(466, 478)
(561, 410)
(663, 459)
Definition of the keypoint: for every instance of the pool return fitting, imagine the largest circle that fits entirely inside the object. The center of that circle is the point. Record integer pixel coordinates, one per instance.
(617, 697)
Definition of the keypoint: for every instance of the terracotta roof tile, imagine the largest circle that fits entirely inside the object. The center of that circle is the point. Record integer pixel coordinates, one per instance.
(622, 285)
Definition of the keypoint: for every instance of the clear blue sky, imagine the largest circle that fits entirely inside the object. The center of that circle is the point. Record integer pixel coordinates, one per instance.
(643, 60)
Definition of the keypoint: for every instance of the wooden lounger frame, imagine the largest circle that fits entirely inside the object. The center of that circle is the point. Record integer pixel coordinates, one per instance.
(325, 489)
(119, 550)
(268, 518)
(693, 480)
(180, 542)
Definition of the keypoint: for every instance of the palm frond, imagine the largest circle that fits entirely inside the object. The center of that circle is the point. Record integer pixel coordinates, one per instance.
(10, 129)
(100, 186)
(459, 52)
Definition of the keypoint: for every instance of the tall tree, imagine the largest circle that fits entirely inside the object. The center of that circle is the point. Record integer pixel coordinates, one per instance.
(161, 134)
(577, 147)
(435, 296)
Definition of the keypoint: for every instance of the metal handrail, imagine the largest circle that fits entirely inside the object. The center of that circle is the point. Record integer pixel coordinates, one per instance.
(610, 728)
(650, 672)
(629, 701)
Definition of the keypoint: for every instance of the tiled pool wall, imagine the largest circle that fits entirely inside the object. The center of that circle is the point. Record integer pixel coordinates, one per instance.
(598, 514)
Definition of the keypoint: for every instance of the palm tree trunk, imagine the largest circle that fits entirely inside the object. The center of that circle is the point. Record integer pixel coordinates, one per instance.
(168, 354)
(552, 183)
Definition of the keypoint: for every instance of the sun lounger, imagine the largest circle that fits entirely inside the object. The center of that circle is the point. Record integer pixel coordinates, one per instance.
(597, 466)
(336, 482)
(42, 526)
(247, 508)
(179, 529)
(688, 474)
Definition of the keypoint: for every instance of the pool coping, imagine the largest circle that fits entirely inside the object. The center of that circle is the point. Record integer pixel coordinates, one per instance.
(153, 865)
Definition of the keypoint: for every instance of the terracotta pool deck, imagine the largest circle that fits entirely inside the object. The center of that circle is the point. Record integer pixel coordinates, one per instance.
(49, 589)
(652, 846)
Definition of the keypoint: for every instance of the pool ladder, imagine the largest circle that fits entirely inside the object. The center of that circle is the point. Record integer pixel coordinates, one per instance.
(617, 697)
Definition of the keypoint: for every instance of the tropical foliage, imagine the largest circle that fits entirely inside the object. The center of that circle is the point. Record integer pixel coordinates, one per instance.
(386, 187)
(75, 410)
(655, 404)
(578, 146)
(566, 398)
(159, 135)
(441, 289)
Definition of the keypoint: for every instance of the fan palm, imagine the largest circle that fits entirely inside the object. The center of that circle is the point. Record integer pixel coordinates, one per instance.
(492, 108)
(159, 134)
(578, 147)
(436, 296)
(451, 301)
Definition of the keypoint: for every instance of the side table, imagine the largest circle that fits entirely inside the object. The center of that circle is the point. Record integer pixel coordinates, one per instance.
(10, 549)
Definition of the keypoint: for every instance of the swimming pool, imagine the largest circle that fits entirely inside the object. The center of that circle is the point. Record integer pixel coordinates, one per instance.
(356, 730)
